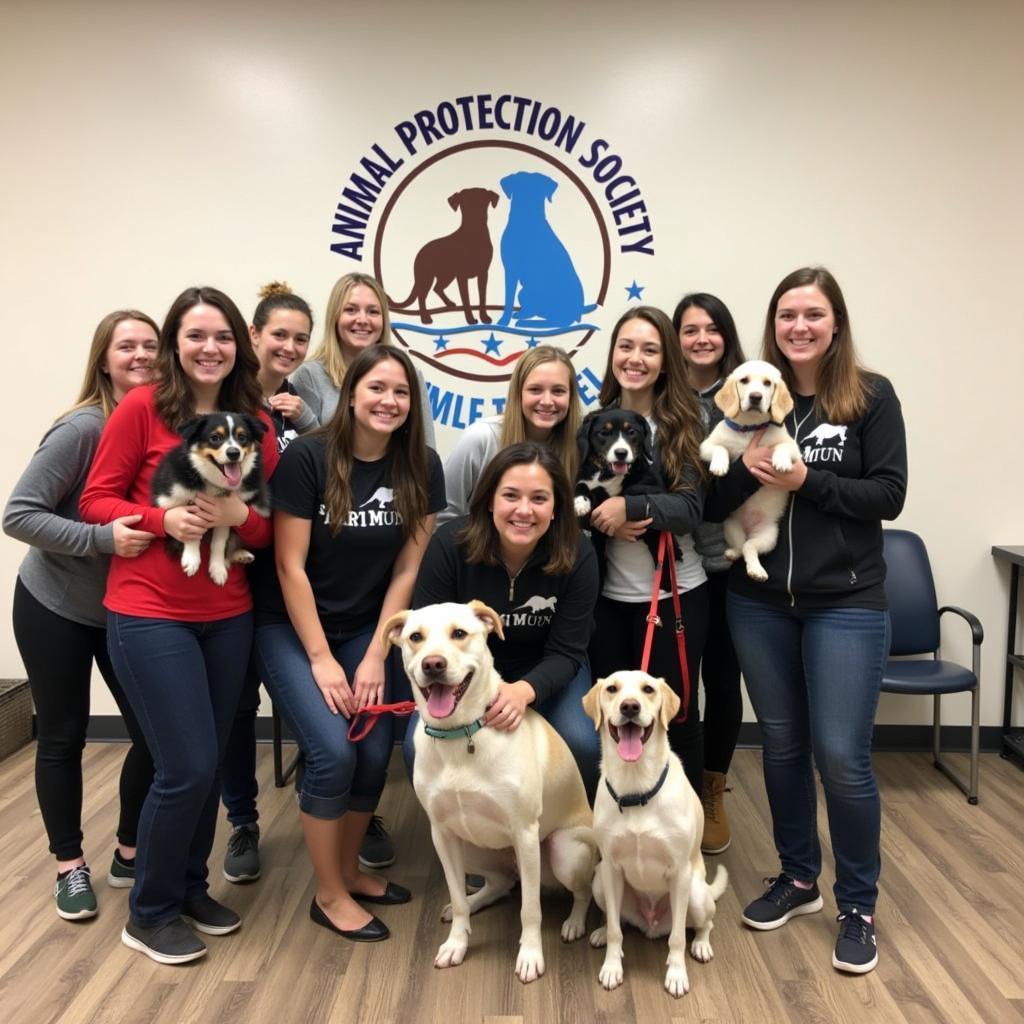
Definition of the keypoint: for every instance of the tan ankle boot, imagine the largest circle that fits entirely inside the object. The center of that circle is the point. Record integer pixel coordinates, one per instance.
(716, 822)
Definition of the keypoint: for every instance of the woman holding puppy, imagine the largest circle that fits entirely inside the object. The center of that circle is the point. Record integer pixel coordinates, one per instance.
(711, 350)
(543, 405)
(354, 507)
(179, 644)
(813, 639)
(520, 551)
(645, 372)
(59, 623)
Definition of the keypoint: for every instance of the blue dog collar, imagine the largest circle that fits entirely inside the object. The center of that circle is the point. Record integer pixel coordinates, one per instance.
(748, 428)
(454, 734)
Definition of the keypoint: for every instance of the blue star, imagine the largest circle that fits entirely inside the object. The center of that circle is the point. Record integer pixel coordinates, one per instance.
(440, 343)
(633, 291)
(532, 342)
(492, 347)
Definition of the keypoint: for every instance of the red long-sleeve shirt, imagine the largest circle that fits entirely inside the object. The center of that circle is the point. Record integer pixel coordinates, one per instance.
(153, 585)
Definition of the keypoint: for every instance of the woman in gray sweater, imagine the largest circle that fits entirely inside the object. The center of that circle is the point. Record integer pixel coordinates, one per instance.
(59, 621)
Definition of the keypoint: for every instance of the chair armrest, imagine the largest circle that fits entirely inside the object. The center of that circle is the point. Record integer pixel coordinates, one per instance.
(977, 633)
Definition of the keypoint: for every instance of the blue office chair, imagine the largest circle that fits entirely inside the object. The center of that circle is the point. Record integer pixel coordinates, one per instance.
(915, 630)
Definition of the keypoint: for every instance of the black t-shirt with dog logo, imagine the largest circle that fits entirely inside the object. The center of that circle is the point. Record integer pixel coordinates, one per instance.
(350, 570)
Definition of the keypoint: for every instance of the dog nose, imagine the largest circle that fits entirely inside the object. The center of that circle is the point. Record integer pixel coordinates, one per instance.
(621, 454)
(629, 708)
(233, 454)
(755, 397)
(434, 665)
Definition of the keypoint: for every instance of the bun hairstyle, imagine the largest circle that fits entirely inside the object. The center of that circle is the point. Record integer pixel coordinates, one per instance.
(279, 295)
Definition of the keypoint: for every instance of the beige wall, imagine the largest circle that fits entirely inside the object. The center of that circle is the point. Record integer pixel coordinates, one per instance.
(147, 147)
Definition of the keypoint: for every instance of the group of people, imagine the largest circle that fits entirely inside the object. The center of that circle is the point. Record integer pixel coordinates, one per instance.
(367, 521)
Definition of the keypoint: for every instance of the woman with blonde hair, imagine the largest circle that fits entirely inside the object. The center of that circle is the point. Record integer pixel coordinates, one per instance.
(542, 405)
(356, 318)
(59, 622)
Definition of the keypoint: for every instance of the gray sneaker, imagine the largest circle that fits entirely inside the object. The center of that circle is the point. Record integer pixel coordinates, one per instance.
(172, 942)
(242, 857)
(377, 850)
(207, 915)
(74, 895)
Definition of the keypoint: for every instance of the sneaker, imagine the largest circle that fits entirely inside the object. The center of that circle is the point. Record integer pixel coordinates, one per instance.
(377, 850)
(242, 857)
(856, 949)
(782, 900)
(172, 942)
(121, 874)
(207, 915)
(74, 895)
(716, 837)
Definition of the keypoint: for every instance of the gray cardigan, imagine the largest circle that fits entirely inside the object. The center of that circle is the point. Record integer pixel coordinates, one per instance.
(317, 390)
(65, 569)
(479, 444)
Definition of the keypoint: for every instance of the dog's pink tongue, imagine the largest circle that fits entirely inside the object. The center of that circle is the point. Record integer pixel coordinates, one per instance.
(631, 744)
(232, 473)
(441, 700)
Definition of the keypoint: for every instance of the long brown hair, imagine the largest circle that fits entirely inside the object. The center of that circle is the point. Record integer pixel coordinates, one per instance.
(843, 384)
(97, 388)
(407, 447)
(479, 538)
(328, 352)
(675, 410)
(513, 424)
(239, 390)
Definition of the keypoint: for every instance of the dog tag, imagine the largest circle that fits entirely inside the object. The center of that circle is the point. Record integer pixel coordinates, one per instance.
(470, 745)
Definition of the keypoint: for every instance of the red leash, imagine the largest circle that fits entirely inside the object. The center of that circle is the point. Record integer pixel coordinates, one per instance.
(360, 730)
(653, 619)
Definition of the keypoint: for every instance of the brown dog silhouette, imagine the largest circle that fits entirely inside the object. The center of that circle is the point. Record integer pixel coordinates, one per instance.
(464, 254)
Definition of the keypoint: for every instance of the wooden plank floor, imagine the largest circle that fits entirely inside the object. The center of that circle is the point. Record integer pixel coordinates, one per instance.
(950, 926)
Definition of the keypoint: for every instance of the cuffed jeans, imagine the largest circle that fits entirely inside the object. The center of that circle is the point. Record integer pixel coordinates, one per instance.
(814, 676)
(182, 680)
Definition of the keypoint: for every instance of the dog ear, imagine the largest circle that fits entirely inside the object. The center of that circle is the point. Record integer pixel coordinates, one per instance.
(192, 428)
(392, 632)
(728, 398)
(493, 197)
(549, 186)
(454, 200)
(489, 617)
(592, 704)
(669, 703)
(583, 437)
(648, 438)
(782, 401)
(255, 426)
(508, 183)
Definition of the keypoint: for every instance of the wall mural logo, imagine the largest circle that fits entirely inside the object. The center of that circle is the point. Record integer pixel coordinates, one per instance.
(488, 246)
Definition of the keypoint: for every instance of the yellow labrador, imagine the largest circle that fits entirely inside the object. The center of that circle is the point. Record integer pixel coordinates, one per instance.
(501, 804)
(648, 823)
(754, 395)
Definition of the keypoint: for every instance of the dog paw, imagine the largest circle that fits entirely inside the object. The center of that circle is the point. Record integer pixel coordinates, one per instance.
(219, 573)
(243, 557)
(190, 563)
(529, 964)
(732, 554)
(757, 573)
(782, 462)
(700, 949)
(599, 937)
(581, 506)
(573, 929)
(677, 984)
(610, 975)
(719, 463)
(451, 954)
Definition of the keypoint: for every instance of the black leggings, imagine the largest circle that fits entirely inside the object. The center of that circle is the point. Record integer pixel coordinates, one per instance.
(720, 670)
(58, 656)
(618, 643)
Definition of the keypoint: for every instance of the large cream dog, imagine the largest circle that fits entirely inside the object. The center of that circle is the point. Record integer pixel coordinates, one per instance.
(501, 804)
(648, 823)
(753, 396)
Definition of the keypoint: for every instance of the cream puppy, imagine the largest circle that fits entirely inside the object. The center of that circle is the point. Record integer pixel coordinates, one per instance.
(648, 822)
(753, 396)
(493, 797)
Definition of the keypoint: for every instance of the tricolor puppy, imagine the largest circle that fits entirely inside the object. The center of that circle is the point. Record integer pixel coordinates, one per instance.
(501, 804)
(219, 455)
(753, 396)
(648, 822)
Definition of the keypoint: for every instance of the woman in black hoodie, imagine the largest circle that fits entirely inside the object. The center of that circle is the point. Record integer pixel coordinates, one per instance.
(813, 639)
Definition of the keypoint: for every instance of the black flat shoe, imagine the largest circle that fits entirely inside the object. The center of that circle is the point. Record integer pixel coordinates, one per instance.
(394, 893)
(374, 931)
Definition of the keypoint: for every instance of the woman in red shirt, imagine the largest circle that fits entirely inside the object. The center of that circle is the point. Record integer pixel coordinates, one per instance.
(179, 644)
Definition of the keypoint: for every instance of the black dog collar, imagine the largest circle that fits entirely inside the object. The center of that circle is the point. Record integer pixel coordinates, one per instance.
(638, 799)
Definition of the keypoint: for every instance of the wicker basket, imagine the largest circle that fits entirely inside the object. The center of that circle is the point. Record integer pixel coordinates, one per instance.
(15, 715)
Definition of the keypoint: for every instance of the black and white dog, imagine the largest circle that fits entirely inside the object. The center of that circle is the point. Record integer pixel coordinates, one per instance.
(616, 458)
(219, 455)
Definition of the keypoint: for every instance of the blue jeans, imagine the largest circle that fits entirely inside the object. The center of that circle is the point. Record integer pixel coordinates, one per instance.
(182, 680)
(814, 677)
(564, 712)
(338, 775)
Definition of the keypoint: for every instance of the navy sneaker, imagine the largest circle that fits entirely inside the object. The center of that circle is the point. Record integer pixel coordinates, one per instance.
(856, 948)
(782, 900)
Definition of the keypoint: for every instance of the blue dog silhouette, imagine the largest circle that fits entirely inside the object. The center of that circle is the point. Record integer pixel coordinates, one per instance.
(536, 262)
